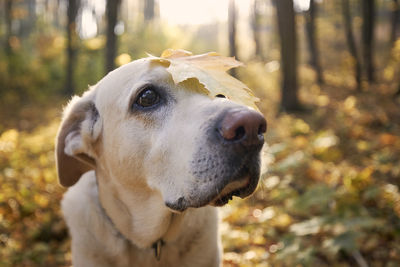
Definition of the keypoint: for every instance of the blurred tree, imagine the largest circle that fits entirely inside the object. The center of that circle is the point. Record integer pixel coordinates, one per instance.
(32, 14)
(288, 44)
(2, 16)
(351, 42)
(8, 10)
(72, 45)
(232, 32)
(310, 16)
(368, 13)
(395, 20)
(112, 10)
(255, 25)
(57, 23)
(28, 22)
(8, 7)
(148, 10)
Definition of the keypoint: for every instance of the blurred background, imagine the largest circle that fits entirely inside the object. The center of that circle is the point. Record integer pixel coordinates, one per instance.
(327, 74)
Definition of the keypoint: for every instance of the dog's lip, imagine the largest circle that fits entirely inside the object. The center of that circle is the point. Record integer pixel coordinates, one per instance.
(235, 188)
(219, 191)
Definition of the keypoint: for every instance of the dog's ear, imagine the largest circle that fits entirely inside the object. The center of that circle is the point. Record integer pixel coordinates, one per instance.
(79, 130)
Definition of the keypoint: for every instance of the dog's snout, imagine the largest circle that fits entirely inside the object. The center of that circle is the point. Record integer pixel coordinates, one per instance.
(243, 125)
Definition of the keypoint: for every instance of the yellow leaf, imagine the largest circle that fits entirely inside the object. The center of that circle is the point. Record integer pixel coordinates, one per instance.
(195, 85)
(281, 221)
(41, 200)
(387, 139)
(8, 140)
(95, 43)
(208, 70)
(174, 53)
(350, 103)
(300, 127)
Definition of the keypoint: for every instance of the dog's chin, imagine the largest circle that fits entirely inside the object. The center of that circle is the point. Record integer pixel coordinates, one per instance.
(220, 193)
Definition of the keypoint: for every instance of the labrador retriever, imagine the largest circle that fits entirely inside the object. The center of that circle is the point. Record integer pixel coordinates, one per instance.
(147, 162)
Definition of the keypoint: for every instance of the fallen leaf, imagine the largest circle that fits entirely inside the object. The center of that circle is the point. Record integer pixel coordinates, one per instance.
(387, 139)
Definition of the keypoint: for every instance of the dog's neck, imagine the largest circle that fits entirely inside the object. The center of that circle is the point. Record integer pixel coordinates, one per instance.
(140, 217)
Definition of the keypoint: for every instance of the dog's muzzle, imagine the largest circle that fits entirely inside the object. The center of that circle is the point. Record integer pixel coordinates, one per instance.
(227, 163)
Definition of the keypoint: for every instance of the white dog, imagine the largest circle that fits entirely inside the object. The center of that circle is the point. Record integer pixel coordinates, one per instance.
(147, 161)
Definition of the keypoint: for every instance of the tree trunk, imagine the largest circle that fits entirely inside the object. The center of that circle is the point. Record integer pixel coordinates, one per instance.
(351, 42)
(72, 45)
(255, 23)
(32, 14)
(395, 20)
(288, 43)
(368, 12)
(8, 6)
(148, 10)
(28, 23)
(232, 32)
(111, 44)
(57, 17)
(312, 40)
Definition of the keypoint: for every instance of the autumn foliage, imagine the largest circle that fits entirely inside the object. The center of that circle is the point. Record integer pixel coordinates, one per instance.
(329, 193)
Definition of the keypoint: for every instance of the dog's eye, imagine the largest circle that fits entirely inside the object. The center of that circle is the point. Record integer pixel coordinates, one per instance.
(220, 96)
(148, 97)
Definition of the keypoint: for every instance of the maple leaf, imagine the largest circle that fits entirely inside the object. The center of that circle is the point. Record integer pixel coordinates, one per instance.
(207, 74)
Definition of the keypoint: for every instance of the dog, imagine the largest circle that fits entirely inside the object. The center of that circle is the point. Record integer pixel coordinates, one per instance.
(147, 162)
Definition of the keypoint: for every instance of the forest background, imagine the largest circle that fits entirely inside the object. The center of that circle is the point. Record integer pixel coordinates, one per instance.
(327, 74)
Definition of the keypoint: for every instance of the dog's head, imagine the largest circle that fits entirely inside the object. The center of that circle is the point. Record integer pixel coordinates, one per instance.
(140, 129)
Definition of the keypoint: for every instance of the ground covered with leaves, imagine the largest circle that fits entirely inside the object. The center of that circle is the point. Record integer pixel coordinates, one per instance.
(329, 197)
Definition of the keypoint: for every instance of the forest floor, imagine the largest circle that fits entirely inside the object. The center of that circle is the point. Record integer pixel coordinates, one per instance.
(329, 196)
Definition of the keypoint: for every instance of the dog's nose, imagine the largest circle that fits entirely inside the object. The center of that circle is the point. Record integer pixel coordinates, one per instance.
(244, 126)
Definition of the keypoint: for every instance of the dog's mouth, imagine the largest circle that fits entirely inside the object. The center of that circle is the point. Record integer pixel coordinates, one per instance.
(240, 182)
(241, 185)
(236, 188)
